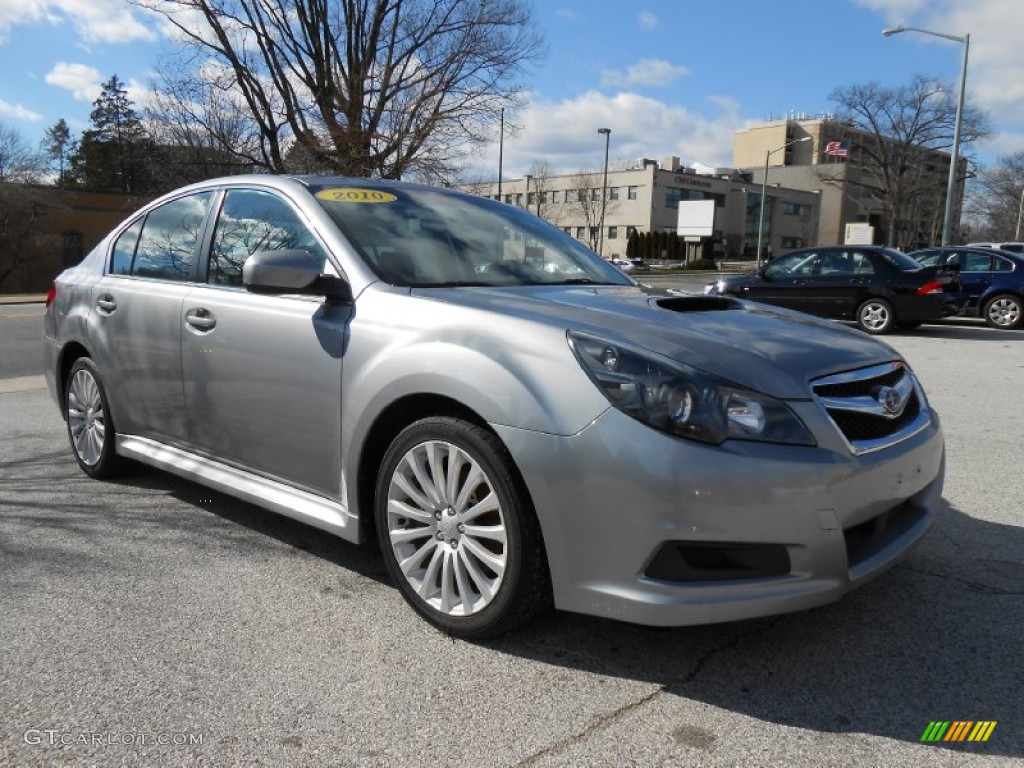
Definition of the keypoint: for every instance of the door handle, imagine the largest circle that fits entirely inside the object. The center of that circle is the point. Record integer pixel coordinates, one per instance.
(106, 304)
(200, 319)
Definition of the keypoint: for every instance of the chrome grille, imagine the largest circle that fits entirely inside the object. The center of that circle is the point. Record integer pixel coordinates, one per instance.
(874, 407)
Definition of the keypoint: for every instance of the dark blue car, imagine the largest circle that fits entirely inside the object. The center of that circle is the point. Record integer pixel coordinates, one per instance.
(992, 280)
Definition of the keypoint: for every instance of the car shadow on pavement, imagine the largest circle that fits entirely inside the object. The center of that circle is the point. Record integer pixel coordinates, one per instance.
(962, 328)
(936, 638)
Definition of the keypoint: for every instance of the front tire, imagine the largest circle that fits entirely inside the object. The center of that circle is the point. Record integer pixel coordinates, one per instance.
(457, 530)
(876, 316)
(90, 428)
(1004, 312)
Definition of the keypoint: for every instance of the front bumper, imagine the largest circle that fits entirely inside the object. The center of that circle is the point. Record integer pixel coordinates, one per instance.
(612, 498)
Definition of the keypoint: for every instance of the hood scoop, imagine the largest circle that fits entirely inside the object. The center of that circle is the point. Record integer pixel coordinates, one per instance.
(697, 303)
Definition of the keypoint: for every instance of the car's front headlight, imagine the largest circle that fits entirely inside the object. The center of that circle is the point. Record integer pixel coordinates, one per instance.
(716, 287)
(682, 400)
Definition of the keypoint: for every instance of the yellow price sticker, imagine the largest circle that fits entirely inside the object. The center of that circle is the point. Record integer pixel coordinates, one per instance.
(355, 195)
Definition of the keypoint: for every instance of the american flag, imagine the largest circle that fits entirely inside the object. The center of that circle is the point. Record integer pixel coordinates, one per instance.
(837, 148)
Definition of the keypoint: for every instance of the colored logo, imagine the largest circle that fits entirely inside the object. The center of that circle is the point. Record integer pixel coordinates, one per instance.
(959, 730)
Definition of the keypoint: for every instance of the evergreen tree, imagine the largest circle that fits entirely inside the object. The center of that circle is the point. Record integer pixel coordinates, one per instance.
(58, 147)
(113, 154)
(633, 246)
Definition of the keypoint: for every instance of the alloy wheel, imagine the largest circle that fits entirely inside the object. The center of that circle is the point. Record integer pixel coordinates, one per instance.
(446, 528)
(86, 419)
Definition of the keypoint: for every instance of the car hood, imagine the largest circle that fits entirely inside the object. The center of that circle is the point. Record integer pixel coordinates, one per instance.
(771, 350)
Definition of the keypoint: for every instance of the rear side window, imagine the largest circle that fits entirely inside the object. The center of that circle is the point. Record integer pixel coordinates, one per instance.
(170, 238)
(250, 221)
(1001, 265)
(124, 250)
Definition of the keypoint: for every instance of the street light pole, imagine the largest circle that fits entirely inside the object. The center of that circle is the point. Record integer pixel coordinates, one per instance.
(764, 191)
(947, 221)
(604, 189)
(501, 150)
(1020, 213)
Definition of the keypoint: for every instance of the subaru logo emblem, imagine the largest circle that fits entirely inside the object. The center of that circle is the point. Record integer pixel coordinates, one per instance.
(890, 399)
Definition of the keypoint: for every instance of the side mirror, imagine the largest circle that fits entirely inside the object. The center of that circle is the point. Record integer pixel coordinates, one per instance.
(292, 271)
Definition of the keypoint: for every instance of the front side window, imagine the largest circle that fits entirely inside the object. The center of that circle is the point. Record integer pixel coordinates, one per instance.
(250, 221)
(170, 238)
(800, 264)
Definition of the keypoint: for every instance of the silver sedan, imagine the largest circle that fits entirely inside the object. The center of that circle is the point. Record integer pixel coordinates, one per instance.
(515, 421)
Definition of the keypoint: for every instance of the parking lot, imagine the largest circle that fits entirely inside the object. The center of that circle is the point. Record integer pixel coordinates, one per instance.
(150, 621)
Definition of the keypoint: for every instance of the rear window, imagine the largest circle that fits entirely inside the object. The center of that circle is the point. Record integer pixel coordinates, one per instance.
(901, 261)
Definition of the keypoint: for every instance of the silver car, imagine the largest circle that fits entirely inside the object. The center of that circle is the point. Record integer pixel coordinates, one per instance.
(515, 421)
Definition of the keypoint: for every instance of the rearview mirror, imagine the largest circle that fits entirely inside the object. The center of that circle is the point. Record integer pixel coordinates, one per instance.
(292, 271)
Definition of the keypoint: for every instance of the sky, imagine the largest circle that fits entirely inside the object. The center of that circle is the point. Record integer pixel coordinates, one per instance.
(668, 77)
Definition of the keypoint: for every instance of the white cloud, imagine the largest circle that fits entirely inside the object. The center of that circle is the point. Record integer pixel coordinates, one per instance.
(565, 13)
(97, 21)
(995, 73)
(564, 133)
(83, 81)
(18, 112)
(647, 20)
(649, 72)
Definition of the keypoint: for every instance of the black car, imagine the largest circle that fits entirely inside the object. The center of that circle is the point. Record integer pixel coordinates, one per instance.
(992, 280)
(878, 288)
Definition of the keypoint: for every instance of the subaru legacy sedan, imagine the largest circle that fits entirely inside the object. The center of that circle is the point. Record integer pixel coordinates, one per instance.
(513, 420)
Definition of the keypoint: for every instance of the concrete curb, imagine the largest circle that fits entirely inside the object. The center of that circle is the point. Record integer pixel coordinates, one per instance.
(22, 298)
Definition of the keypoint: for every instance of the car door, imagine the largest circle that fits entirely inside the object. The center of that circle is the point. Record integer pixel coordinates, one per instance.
(262, 373)
(975, 275)
(786, 281)
(835, 288)
(135, 323)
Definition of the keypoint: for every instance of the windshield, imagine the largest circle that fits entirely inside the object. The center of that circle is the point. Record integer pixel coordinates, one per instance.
(426, 237)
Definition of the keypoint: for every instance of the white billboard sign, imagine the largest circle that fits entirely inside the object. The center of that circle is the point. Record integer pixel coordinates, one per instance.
(696, 218)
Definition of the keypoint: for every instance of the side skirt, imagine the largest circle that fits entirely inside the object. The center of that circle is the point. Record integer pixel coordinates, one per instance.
(327, 514)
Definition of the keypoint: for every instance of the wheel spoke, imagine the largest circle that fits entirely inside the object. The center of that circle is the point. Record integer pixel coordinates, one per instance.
(473, 480)
(410, 564)
(428, 587)
(488, 504)
(495, 562)
(481, 583)
(489, 532)
(448, 596)
(401, 509)
(412, 459)
(456, 461)
(407, 488)
(466, 592)
(436, 463)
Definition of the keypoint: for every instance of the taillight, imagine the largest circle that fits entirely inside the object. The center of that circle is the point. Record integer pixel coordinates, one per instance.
(52, 293)
(932, 286)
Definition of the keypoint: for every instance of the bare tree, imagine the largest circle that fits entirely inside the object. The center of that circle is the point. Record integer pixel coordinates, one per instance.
(540, 201)
(366, 87)
(585, 193)
(995, 200)
(199, 127)
(18, 161)
(22, 204)
(894, 130)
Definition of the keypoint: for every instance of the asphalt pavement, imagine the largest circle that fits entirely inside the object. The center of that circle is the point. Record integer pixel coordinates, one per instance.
(149, 621)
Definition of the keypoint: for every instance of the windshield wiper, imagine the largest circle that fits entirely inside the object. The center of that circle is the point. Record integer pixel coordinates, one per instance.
(581, 281)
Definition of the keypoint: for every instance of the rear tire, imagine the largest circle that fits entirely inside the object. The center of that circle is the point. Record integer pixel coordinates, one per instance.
(90, 428)
(876, 316)
(457, 529)
(1004, 312)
